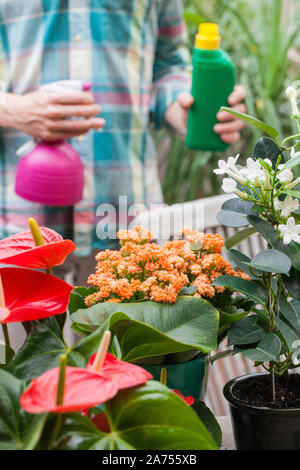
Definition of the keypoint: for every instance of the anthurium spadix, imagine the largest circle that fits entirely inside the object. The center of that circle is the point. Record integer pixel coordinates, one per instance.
(27, 295)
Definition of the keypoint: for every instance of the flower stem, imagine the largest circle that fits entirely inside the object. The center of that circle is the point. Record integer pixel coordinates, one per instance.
(6, 339)
(61, 380)
(59, 398)
(55, 431)
(273, 385)
(4, 325)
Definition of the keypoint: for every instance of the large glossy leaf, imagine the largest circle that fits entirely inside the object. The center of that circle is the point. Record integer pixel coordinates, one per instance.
(41, 351)
(18, 430)
(147, 329)
(266, 148)
(234, 213)
(251, 289)
(268, 349)
(252, 121)
(151, 417)
(271, 261)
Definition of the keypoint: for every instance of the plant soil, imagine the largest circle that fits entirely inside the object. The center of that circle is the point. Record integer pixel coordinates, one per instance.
(258, 391)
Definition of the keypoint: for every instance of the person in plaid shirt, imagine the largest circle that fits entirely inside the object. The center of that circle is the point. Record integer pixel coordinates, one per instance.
(135, 55)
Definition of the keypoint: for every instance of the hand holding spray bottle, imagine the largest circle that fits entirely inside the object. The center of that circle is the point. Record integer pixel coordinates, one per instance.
(51, 173)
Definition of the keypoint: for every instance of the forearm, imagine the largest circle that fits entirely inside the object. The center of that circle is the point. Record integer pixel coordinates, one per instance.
(7, 116)
(43, 115)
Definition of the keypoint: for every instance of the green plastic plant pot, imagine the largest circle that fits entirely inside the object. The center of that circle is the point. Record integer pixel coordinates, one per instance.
(187, 377)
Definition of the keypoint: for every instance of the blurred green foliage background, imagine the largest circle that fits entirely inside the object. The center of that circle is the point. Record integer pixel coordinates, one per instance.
(263, 39)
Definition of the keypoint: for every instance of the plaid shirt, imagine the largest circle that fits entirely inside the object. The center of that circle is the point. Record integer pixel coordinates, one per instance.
(134, 54)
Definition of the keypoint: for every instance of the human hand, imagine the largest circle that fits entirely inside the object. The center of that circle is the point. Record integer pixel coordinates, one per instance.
(43, 114)
(228, 127)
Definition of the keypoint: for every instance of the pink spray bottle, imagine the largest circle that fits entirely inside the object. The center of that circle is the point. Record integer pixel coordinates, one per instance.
(51, 173)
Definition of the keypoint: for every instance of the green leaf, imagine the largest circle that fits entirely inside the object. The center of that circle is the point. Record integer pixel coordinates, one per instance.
(266, 148)
(252, 121)
(292, 283)
(227, 319)
(268, 349)
(268, 233)
(77, 298)
(41, 351)
(271, 261)
(246, 331)
(208, 420)
(240, 261)
(147, 329)
(292, 162)
(151, 417)
(193, 18)
(289, 312)
(239, 237)
(234, 213)
(188, 290)
(288, 334)
(18, 430)
(295, 254)
(251, 289)
(292, 192)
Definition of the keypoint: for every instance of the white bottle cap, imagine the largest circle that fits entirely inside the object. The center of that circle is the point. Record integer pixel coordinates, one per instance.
(26, 148)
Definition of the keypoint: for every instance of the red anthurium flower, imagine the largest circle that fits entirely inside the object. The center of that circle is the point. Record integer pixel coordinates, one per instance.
(83, 389)
(126, 375)
(31, 295)
(189, 400)
(20, 250)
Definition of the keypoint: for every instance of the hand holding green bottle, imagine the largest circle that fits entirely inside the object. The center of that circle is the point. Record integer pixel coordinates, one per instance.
(213, 82)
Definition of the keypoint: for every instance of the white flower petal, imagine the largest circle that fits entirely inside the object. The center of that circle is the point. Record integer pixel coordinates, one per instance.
(229, 185)
(290, 92)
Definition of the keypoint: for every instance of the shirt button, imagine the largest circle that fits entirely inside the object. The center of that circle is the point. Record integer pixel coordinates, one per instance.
(78, 38)
(80, 138)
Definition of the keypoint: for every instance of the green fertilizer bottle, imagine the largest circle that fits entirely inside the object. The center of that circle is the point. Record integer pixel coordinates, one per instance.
(213, 81)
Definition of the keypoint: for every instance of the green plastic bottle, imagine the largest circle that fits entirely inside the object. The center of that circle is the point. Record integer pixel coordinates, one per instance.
(213, 81)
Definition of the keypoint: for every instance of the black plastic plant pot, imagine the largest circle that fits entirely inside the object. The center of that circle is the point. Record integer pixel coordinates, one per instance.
(262, 428)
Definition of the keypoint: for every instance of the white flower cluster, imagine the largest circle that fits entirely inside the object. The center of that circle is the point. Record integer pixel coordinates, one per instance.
(255, 176)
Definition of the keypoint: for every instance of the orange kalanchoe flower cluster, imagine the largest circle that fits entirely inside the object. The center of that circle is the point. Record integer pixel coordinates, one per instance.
(141, 270)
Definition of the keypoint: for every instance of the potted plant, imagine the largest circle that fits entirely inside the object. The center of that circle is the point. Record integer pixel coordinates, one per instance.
(53, 396)
(160, 305)
(265, 407)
